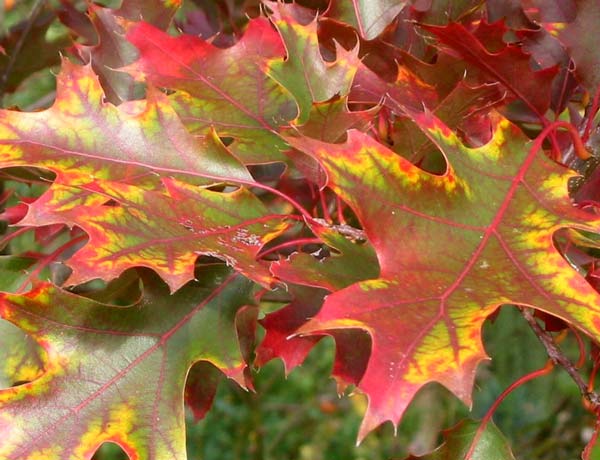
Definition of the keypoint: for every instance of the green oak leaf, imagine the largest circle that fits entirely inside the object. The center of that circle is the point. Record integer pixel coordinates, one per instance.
(492, 445)
(20, 356)
(118, 373)
(304, 72)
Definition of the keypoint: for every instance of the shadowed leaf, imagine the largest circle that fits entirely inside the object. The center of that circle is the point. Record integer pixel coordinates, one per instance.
(579, 38)
(509, 66)
(113, 51)
(329, 121)
(37, 53)
(283, 323)
(352, 263)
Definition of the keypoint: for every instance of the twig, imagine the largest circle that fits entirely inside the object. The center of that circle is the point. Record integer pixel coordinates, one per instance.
(35, 11)
(344, 229)
(559, 358)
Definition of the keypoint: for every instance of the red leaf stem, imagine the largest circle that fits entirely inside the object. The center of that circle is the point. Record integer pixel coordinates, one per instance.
(14, 234)
(593, 373)
(488, 415)
(43, 262)
(323, 200)
(581, 346)
(340, 210)
(299, 242)
(587, 452)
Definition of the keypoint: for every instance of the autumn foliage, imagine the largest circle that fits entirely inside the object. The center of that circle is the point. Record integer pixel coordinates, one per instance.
(389, 173)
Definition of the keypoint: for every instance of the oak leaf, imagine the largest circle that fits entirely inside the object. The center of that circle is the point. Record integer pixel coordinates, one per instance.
(90, 393)
(452, 248)
(225, 89)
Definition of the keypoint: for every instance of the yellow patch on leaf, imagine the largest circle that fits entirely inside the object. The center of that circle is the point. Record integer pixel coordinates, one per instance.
(118, 429)
(48, 453)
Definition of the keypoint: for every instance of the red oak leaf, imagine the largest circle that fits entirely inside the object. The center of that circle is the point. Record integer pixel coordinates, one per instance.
(225, 89)
(452, 249)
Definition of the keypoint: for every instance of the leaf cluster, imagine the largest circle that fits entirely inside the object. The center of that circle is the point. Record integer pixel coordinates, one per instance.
(213, 185)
